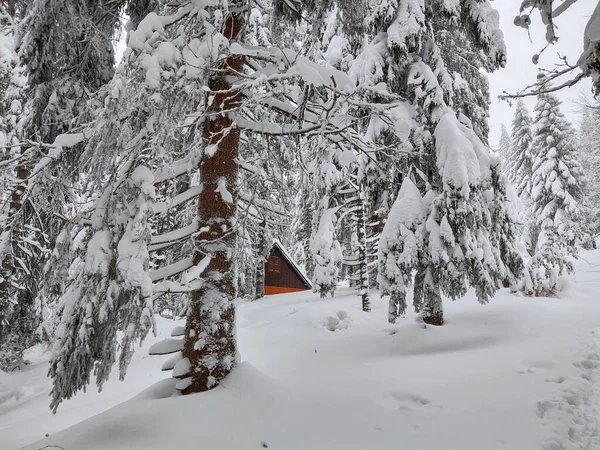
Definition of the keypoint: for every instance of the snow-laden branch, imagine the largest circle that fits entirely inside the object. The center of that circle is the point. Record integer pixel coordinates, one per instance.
(172, 269)
(185, 196)
(177, 168)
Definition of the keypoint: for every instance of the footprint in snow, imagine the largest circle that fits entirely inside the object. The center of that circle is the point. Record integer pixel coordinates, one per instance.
(572, 418)
(407, 401)
(533, 366)
(559, 380)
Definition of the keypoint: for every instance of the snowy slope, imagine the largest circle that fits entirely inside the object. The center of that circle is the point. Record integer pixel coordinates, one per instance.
(519, 374)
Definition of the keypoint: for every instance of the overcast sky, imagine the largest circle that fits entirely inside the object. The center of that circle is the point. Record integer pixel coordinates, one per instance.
(520, 71)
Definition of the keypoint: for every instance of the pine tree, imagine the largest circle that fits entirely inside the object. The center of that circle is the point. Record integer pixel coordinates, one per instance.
(520, 166)
(589, 156)
(410, 59)
(556, 194)
(210, 344)
(503, 150)
(157, 113)
(51, 103)
(145, 91)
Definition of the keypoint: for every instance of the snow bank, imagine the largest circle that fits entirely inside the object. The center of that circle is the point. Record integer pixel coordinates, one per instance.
(249, 411)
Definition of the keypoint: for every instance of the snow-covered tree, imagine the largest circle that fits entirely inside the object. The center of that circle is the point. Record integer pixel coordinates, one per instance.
(407, 55)
(520, 160)
(327, 254)
(111, 290)
(589, 156)
(506, 216)
(401, 247)
(504, 145)
(556, 193)
(163, 109)
(461, 224)
(48, 99)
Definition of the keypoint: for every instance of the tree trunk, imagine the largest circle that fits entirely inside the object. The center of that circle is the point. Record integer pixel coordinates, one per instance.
(363, 269)
(210, 337)
(433, 313)
(427, 296)
(263, 253)
(6, 265)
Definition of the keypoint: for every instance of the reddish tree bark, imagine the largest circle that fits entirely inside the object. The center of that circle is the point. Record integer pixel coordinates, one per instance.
(210, 340)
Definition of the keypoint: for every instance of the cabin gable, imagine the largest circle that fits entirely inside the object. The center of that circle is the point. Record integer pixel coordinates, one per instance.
(282, 275)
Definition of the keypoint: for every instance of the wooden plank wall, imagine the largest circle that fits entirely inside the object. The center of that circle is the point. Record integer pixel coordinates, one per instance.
(278, 272)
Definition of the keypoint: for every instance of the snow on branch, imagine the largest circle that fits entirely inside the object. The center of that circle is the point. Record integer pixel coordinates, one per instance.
(172, 269)
(166, 347)
(163, 207)
(55, 150)
(160, 241)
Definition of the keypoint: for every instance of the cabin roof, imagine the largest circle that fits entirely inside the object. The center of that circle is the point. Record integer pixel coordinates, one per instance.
(291, 262)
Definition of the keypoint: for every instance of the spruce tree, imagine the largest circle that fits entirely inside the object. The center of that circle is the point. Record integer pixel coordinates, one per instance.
(156, 113)
(556, 193)
(589, 155)
(504, 145)
(51, 104)
(520, 160)
(408, 55)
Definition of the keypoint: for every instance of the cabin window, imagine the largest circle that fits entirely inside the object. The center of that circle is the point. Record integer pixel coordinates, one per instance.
(273, 264)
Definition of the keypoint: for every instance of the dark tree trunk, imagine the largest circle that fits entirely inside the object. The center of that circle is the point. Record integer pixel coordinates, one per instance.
(263, 254)
(6, 265)
(210, 339)
(363, 269)
(433, 316)
(428, 297)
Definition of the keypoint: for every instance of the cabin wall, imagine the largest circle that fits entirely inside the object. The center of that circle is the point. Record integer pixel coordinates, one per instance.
(280, 274)
(271, 290)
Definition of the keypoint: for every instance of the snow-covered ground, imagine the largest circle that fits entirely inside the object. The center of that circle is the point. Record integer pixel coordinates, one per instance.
(519, 374)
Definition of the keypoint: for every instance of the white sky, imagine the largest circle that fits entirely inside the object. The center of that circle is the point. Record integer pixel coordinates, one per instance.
(520, 70)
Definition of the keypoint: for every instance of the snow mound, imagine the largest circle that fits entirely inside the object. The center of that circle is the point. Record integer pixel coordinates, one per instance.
(248, 411)
(338, 322)
(18, 394)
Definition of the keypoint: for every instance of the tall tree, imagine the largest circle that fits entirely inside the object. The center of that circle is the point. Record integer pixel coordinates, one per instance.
(556, 193)
(589, 155)
(407, 53)
(520, 166)
(401, 247)
(170, 60)
(52, 103)
(210, 343)
(504, 145)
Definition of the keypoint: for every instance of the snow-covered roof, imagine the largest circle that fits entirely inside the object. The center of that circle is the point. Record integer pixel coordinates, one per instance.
(277, 243)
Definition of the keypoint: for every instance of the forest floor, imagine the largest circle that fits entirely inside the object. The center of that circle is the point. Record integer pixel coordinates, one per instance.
(519, 374)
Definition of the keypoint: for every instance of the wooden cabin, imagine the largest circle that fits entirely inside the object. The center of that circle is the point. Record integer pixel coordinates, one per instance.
(282, 274)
